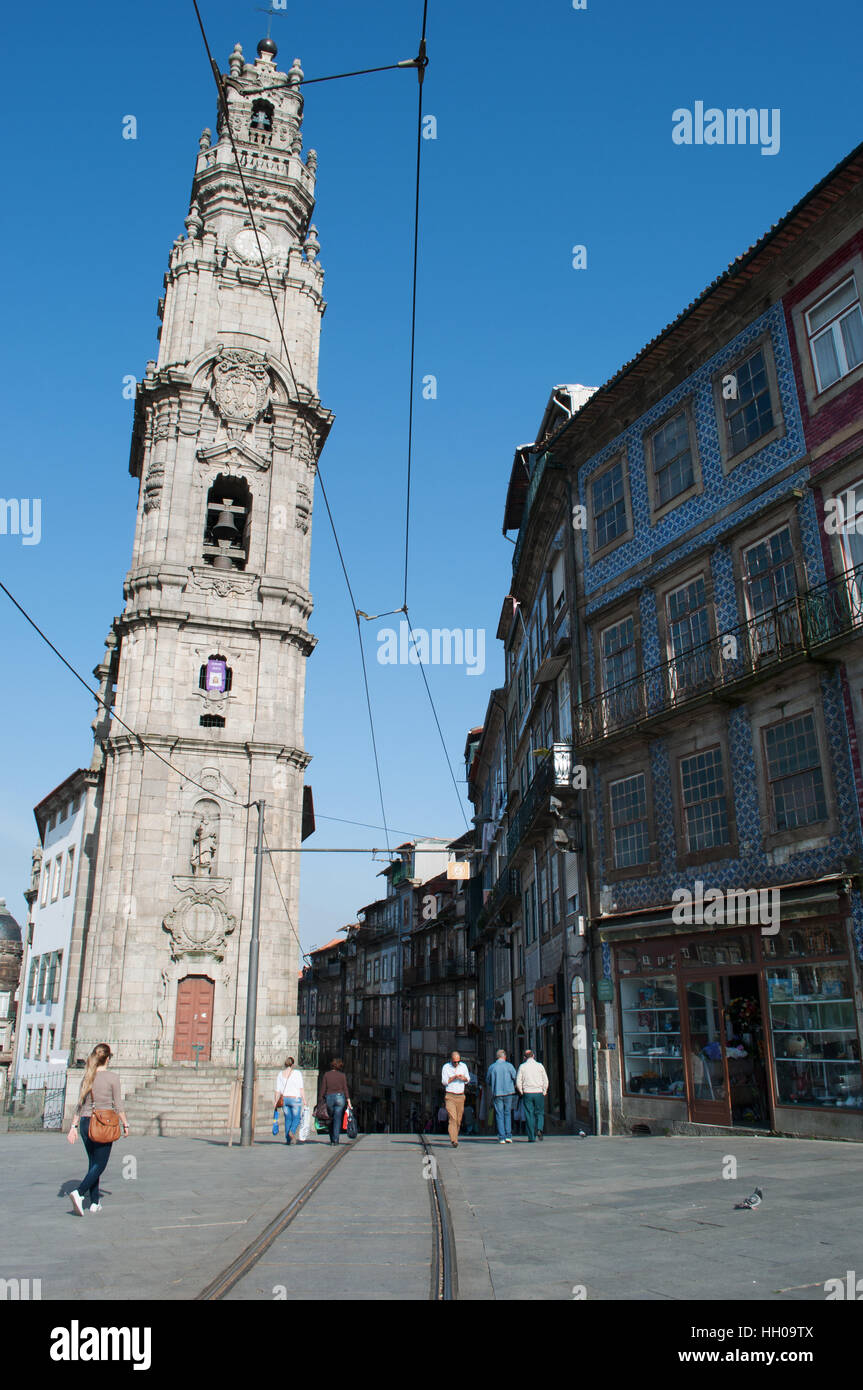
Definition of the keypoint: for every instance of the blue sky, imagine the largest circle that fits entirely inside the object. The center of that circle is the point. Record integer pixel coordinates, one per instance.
(554, 129)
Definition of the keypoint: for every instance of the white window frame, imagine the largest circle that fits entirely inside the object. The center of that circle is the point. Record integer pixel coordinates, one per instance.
(832, 327)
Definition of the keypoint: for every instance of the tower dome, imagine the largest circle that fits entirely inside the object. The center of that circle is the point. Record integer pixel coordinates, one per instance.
(9, 928)
(267, 46)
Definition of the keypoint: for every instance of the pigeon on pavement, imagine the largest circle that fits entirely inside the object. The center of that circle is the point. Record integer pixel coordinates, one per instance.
(749, 1203)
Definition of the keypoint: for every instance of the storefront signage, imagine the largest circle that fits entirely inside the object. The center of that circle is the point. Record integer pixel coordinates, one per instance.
(604, 991)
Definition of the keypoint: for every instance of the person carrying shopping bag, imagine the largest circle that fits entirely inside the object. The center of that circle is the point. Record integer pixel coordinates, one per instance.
(291, 1099)
(98, 1117)
(334, 1094)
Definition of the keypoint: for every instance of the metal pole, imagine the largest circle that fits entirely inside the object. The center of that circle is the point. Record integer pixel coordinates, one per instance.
(247, 1119)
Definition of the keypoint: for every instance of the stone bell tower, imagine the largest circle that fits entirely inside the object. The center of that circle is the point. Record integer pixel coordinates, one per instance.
(209, 654)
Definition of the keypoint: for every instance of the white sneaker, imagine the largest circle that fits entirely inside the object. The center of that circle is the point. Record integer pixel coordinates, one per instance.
(95, 1206)
(501, 1141)
(78, 1205)
(507, 1141)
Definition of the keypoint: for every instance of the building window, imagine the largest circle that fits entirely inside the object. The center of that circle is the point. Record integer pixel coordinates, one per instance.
(770, 589)
(688, 637)
(46, 875)
(42, 996)
(673, 467)
(212, 721)
(617, 645)
(54, 973)
(608, 505)
(558, 585)
(70, 865)
(564, 707)
(262, 118)
(5, 996)
(794, 773)
(554, 867)
(32, 981)
(52, 1033)
(749, 414)
(28, 1043)
(834, 327)
(40, 1037)
(768, 568)
(55, 879)
(705, 808)
(630, 831)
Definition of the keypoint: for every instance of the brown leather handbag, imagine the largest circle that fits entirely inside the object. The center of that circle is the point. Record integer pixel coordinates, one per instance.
(104, 1127)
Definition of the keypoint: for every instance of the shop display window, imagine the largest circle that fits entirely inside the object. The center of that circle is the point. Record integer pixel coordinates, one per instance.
(815, 1045)
(652, 1045)
(804, 940)
(729, 949)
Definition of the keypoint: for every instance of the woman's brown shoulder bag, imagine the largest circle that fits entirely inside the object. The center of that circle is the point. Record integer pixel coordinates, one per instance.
(104, 1127)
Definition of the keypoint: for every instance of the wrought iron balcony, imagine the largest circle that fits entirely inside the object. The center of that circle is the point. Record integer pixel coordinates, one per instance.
(802, 626)
(535, 801)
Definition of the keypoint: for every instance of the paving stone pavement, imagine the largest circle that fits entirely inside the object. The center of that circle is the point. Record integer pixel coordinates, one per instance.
(191, 1208)
(366, 1234)
(653, 1218)
(645, 1218)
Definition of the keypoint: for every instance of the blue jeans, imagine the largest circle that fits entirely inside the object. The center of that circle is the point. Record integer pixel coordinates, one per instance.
(337, 1104)
(293, 1112)
(98, 1154)
(503, 1115)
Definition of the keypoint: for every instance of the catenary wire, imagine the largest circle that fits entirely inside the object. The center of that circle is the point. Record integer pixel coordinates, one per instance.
(109, 706)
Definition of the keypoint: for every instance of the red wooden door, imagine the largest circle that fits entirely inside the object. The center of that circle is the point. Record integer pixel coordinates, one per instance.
(194, 1022)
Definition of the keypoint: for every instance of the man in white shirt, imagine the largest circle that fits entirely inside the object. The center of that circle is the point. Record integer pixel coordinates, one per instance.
(531, 1082)
(453, 1076)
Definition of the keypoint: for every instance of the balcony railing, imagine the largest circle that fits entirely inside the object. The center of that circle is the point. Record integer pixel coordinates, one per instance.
(535, 800)
(800, 626)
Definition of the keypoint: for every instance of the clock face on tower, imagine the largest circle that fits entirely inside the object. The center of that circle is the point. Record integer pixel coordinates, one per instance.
(245, 244)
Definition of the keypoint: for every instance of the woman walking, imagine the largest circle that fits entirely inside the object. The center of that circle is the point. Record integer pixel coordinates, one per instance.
(98, 1116)
(334, 1093)
(291, 1087)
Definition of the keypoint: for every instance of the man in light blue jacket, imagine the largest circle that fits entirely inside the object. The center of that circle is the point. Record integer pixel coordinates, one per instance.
(501, 1082)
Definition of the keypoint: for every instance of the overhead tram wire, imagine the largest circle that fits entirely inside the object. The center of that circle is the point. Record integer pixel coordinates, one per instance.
(220, 87)
(109, 707)
(422, 64)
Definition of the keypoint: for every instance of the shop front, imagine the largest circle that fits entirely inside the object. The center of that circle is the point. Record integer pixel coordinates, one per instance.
(738, 1028)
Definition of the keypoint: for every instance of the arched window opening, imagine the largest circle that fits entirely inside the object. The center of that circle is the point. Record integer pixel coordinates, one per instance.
(261, 123)
(226, 532)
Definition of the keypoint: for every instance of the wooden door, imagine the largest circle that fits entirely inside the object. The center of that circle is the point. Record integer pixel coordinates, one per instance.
(194, 1021)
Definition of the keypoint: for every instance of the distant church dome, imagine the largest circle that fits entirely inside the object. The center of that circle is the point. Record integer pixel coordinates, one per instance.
(267, 46)
(9, 928)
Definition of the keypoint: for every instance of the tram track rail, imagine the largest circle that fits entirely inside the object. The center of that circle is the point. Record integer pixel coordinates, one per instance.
(444, 1280)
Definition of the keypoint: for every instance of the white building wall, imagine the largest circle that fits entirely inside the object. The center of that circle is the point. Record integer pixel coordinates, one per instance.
(52, 931)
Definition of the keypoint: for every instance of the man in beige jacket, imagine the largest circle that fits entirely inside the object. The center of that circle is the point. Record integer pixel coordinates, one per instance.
(531, 1082)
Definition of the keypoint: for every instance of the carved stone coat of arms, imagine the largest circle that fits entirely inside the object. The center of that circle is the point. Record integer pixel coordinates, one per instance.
(240, 383)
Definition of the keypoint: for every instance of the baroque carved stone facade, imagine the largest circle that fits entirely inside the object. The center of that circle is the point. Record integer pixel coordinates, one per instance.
(208, 656)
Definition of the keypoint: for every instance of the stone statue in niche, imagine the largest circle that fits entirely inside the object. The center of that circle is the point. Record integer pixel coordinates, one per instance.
(203, 848)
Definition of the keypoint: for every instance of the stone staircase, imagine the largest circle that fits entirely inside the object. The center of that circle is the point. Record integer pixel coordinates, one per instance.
(182, 1101)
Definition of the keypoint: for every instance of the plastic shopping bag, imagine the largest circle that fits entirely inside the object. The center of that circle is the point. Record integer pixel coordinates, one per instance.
(305, 1124)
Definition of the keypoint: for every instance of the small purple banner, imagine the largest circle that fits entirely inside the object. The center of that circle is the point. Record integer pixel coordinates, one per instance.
(217, 675)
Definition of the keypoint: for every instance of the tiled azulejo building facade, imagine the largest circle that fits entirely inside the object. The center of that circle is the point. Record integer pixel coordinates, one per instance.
(717, 683)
